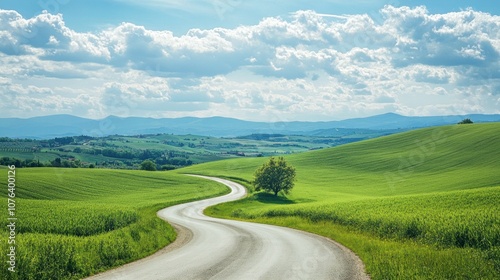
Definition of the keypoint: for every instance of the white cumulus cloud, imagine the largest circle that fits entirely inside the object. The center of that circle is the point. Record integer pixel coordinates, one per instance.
(304, 66)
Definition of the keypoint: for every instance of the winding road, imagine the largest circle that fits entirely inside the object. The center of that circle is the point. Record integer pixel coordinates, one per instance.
(210, 248)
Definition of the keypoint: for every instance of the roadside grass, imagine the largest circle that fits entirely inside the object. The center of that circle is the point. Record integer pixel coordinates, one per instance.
(74, 223)
(400, 259)
(417, 205)
(467, 218)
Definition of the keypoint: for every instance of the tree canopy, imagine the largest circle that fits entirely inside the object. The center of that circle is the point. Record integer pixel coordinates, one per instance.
(148, 165)
(466, 121)
(274, 176)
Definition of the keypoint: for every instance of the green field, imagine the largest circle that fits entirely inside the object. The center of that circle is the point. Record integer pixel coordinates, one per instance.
(76, 222)
(417, 205)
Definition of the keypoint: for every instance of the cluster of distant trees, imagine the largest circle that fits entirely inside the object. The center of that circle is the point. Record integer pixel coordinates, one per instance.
(161, 163)
(150, 165)
(7, 139)
(20, 162)
(58, 162)
(466, 121)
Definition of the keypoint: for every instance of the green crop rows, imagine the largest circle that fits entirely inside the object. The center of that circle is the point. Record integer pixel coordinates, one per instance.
(76, 222)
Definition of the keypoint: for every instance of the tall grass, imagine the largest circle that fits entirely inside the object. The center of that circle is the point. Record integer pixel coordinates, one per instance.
(386, 258)
(85, 219)
(74, 223)
(461, 219)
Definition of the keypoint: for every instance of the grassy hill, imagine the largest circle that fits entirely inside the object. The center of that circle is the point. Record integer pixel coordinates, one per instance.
(75, 222)
(417, 205)
(421, 161)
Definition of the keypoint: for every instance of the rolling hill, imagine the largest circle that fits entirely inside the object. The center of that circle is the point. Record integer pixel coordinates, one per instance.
(431, 159)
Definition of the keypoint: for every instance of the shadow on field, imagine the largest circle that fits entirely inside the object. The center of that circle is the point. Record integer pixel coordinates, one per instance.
(272, 199)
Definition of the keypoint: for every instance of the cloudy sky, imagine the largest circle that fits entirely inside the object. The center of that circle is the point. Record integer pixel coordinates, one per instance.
(253, 60)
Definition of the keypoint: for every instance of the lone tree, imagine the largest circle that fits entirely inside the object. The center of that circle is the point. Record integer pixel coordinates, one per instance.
(466, 121)
(148, 165)
(275, 176)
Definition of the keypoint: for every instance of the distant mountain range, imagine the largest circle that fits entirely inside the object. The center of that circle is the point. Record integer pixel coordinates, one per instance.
(67, 125)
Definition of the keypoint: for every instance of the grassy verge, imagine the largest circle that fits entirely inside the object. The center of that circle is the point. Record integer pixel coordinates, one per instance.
(392, 259)
(395, 244)
(73, 223)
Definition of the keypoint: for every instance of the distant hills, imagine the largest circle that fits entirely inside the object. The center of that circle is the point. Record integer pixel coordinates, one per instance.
(67, 125)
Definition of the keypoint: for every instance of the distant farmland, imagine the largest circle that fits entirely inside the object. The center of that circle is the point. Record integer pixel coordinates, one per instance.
(166, 150)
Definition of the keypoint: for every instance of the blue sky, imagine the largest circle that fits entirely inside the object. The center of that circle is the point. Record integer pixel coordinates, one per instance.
(180, 16)
(255, 60)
